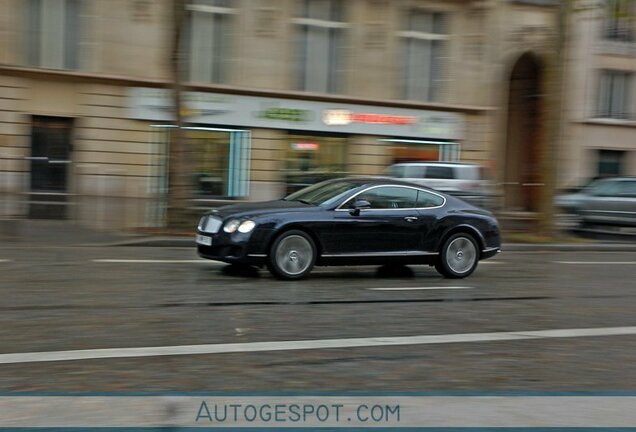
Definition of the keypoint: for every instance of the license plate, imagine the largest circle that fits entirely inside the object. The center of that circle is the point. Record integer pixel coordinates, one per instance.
(204, 240)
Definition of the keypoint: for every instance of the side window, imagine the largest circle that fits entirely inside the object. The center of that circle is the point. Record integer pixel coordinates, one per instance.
(389, 197)
(607, 189)
(439, 172)
(427, 199)
(415, 171)
(397, 171)
(628, 189)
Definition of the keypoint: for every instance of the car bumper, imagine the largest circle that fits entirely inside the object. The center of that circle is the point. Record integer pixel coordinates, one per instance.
(239, 248)
(490, 252)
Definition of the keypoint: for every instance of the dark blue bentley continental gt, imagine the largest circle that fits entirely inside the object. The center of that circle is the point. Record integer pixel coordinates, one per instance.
(348, 221)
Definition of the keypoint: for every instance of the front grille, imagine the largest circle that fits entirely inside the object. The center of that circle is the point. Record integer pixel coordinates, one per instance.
(210, 224)
(222, 251)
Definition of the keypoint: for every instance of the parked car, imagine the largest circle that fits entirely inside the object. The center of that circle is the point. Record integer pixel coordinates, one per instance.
(354, 220)
(463, 180)
(608, 201)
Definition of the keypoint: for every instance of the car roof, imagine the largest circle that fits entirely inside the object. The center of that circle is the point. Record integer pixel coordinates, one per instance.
(380, 180)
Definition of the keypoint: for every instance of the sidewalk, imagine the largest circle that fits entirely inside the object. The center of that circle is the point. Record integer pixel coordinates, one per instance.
(26, 232)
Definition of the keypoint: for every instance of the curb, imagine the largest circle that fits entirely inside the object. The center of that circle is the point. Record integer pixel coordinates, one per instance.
(153, 242)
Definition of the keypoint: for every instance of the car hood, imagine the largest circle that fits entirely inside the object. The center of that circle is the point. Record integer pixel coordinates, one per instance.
(254, 209)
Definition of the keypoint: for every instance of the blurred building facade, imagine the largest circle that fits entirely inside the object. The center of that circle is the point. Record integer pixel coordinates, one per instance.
(600, 134)
(277, 94)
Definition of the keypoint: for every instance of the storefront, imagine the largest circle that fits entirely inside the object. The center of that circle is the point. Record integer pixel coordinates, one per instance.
(313, 158)
(242, 147)
(219, 160)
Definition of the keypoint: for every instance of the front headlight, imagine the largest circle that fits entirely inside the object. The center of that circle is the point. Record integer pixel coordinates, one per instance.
(231, 226)
(246, 226)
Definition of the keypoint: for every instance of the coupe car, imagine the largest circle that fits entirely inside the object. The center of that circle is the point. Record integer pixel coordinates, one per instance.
(352, 221)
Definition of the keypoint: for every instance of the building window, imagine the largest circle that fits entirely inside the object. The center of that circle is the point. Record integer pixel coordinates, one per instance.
(320, 45)
(207, 38)
(424, 45)
(619, 20)
(52, 33)
(610, 162)
(614, 93)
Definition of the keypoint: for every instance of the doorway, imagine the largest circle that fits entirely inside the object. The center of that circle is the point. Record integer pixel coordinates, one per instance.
(50, 161)
(523, 177)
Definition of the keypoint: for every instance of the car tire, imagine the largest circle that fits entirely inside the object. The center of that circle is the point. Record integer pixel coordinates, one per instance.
(292, 255)
(458, 257)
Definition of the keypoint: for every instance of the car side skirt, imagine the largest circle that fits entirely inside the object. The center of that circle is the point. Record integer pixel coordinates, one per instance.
(378, 258)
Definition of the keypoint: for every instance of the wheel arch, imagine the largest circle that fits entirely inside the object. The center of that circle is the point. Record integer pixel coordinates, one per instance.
(296, 227)
(466, 229)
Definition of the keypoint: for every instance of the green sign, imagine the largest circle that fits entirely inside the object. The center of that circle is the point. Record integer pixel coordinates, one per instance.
(285, 114)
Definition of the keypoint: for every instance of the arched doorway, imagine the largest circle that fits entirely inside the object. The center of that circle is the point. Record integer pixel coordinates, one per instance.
(522, 170)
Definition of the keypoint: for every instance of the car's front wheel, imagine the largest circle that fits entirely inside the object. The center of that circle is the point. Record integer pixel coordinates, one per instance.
(292, 255)
(458, 257)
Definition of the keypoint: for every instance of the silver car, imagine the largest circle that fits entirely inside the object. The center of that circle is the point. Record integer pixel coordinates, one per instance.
(610, 201)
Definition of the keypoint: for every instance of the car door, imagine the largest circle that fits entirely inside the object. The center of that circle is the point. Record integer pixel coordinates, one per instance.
(390, 226)
(428, 208)
(601, 204)
(625, 205)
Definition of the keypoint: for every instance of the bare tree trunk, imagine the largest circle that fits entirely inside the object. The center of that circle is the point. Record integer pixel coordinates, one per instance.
(180, 180)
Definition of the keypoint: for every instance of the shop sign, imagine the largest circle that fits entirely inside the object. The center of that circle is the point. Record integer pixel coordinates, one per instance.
(276, 113)
(345, 117)
(305, 146)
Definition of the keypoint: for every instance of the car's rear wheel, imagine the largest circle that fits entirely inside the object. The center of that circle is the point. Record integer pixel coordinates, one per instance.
(292, 255)
(458, 257)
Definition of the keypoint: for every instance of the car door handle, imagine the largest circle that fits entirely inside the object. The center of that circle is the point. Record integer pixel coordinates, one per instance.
(410, 218)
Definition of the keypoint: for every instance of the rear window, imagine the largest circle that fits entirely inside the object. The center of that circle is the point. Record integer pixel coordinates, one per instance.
(427, 199)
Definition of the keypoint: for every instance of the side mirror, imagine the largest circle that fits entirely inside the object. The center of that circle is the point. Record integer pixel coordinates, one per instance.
(359, 205)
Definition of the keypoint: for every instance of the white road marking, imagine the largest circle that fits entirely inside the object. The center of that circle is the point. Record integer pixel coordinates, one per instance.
(107, 353)
(491, 262)
(153, 261)
(6, 260)
(421, 288)
(596, 262)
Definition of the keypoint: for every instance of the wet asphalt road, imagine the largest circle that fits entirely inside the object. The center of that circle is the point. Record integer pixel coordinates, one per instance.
(69, 298)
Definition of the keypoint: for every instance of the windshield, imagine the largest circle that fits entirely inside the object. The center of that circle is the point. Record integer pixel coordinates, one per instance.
(323, 193)
(596, 185)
